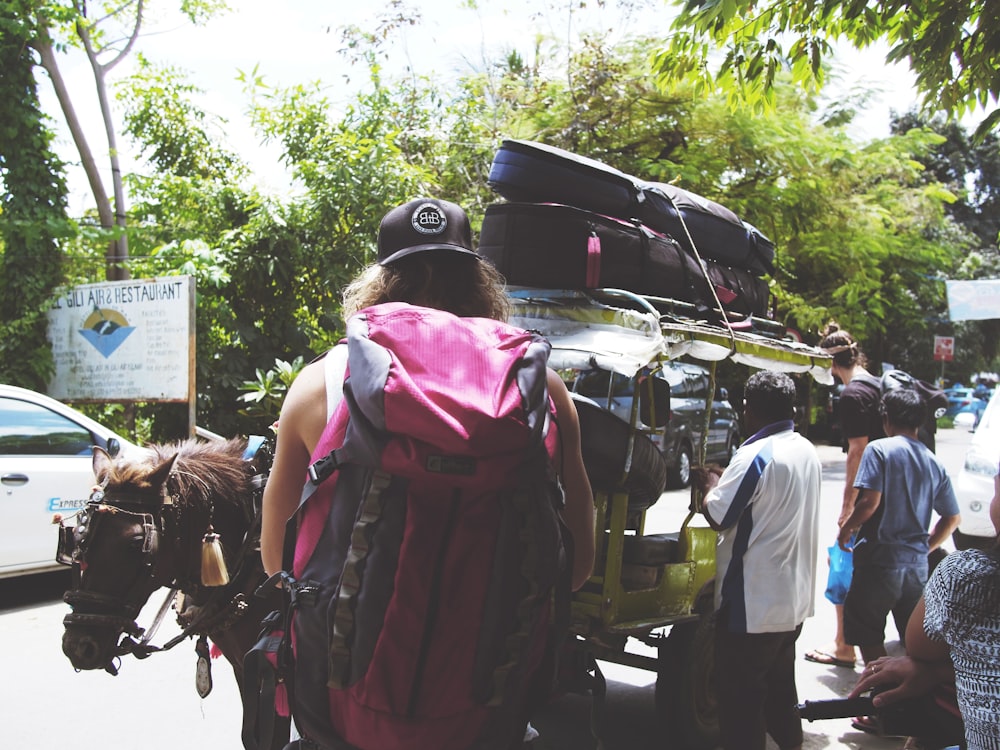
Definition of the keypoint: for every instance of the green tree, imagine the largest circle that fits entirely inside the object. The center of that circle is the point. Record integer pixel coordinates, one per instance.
(32, 211)
(969, 167)
(952, 46)
(971, 170)
(269, 272)
(859, 228)
(107, 33)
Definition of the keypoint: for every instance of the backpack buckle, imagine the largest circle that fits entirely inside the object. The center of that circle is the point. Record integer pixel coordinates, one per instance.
(303, 592)
(324, 467)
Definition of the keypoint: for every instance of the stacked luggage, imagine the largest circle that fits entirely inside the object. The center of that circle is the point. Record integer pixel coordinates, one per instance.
(573, 222)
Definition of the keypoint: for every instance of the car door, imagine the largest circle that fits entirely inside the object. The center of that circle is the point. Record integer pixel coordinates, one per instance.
(45, 468)
(688, 408)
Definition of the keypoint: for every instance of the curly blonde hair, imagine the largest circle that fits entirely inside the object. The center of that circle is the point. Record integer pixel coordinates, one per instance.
(462, 285)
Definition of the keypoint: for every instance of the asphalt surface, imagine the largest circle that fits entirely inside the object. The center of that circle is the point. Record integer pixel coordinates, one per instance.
(152, 704)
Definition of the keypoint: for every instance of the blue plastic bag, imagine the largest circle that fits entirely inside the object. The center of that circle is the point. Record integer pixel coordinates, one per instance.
(839, 578)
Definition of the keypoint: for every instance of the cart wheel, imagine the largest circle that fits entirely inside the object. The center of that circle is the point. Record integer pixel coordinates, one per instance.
(685, 687)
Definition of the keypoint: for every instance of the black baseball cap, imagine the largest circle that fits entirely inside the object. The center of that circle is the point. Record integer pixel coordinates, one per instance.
(423, 224)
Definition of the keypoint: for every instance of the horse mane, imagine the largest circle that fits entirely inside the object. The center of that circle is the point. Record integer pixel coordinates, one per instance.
(203, 469)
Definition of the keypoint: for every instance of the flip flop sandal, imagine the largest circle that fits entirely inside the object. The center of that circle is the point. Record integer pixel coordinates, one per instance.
(865, 724)
(822, 657)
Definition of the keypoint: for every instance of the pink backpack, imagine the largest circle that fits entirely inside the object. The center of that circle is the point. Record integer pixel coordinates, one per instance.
(428, 551)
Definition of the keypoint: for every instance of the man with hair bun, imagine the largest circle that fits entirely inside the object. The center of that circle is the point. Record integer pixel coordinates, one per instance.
(860, 424)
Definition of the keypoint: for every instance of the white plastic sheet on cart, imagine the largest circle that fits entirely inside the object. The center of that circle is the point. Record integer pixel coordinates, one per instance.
(587, 334)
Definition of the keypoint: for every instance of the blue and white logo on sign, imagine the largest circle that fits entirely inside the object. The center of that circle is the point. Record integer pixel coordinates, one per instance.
(106, 330)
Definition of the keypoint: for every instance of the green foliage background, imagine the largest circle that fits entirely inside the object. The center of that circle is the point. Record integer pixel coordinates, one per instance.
(32, 209)
(865, 231)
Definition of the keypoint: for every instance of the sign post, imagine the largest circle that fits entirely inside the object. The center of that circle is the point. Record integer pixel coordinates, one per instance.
(944, 351)
(944, 348)
(127, 340)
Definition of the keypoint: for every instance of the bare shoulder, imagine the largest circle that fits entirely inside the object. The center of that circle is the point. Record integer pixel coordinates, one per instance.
(304, 409)
(560, 396)
(310, 383)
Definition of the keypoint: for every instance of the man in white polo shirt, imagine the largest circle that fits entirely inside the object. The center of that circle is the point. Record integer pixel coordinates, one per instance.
(765, 506)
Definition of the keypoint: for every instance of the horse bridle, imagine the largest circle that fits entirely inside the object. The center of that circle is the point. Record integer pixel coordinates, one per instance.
(115, 611)
(224, 606)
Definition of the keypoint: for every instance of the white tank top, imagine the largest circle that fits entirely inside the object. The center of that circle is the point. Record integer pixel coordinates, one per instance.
(334, 368)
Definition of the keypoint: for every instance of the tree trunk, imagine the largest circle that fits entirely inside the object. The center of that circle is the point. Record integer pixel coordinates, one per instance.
(118, 252)
(43, 45)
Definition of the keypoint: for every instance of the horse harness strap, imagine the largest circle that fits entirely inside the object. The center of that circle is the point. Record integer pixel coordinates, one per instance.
(223, 608)
(242, 583)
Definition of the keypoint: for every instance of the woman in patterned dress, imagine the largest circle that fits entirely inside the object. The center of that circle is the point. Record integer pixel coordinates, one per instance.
(953, 635)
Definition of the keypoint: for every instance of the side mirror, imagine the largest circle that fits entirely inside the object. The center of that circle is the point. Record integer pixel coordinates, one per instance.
(654, 400)
(114, 447)
(721, 394)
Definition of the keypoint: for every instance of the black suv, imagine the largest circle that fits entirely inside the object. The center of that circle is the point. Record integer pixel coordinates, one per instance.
(679, 441)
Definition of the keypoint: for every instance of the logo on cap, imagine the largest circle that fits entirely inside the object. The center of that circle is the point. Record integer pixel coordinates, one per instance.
(429, 219)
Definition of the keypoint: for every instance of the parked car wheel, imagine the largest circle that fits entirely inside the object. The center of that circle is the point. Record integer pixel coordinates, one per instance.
(679, 475)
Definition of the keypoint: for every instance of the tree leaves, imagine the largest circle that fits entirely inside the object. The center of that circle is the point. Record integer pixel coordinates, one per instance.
(33, 217)
(952, 46)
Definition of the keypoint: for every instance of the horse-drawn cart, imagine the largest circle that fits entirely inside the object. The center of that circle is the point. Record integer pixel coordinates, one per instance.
(656, 589)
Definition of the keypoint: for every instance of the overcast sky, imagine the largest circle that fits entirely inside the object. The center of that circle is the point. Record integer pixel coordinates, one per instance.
(297, 41)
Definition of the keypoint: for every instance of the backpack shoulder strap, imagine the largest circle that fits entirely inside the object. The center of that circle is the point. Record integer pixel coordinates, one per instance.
(871, 381)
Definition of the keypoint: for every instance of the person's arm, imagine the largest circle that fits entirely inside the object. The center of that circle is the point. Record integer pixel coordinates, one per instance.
(900, 677)
(927, 663)
(865, 507)
(302, 419)
(705, 479)
(918, 645)
(578, 514)
(942, 531)
(855, 449)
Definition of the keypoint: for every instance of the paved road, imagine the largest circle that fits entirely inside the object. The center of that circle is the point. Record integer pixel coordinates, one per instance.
(152, 705)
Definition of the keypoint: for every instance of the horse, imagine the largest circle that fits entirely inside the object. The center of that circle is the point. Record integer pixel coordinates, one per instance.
(153, 516)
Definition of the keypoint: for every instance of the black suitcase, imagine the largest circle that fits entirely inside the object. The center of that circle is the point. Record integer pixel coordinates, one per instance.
(555, 246)
(531, 172)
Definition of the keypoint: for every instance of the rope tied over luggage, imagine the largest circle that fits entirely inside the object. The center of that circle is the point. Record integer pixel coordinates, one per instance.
(704, 272)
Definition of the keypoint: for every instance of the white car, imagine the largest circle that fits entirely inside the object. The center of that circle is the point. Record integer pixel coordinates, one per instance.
(974, 486)
(45, 469)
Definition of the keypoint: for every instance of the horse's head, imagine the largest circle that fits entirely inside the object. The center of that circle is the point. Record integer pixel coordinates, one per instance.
(144, 528)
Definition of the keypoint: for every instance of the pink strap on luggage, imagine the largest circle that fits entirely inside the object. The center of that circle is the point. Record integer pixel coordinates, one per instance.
(593, 261)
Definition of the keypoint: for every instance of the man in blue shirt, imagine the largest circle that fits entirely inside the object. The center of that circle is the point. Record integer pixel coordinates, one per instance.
(900, 483)
(765, 506)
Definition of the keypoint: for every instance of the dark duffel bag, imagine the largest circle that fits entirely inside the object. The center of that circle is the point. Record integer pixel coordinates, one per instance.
(556, 246)
(717, 232)
(532, 172)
